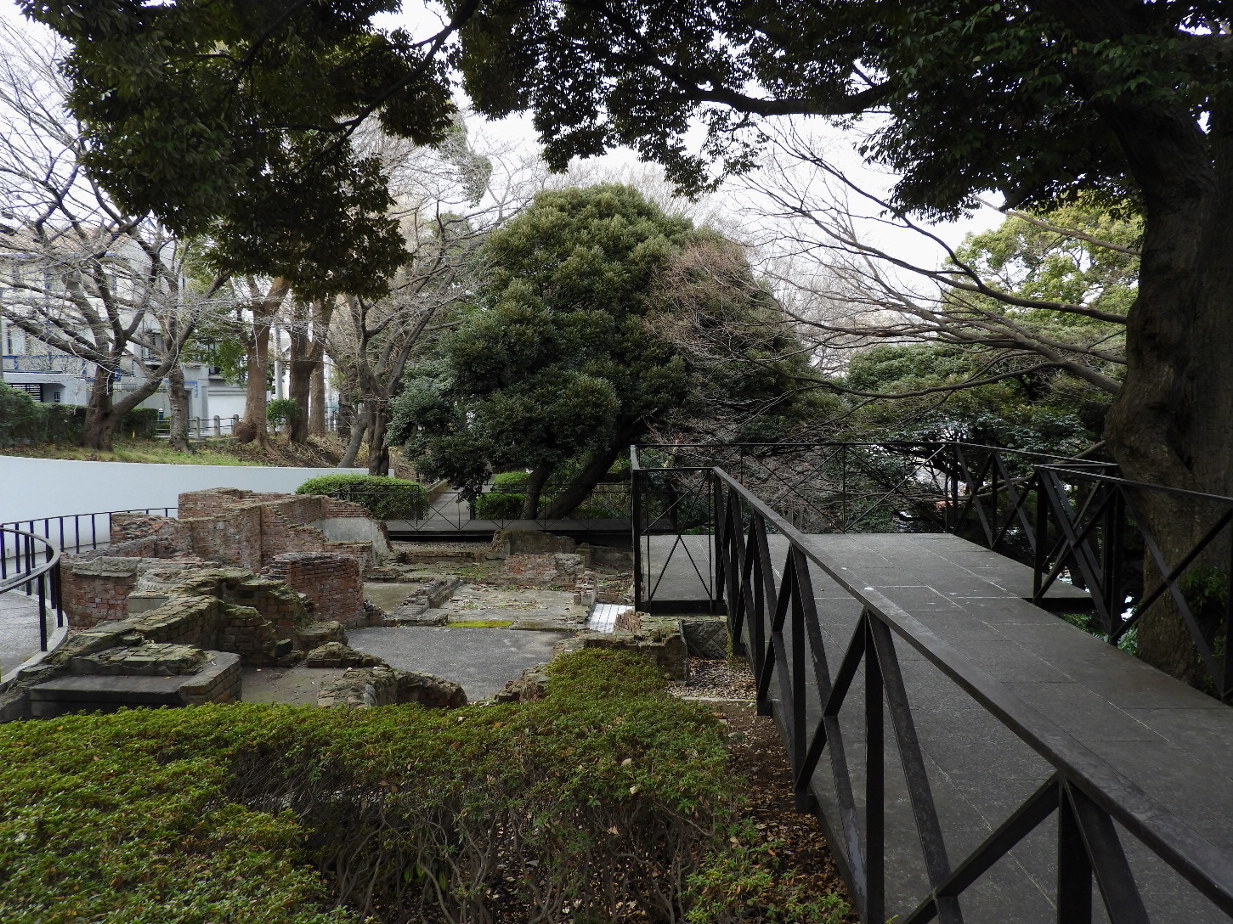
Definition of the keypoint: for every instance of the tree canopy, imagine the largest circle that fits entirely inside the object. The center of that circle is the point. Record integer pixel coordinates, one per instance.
(562, 362)
(234, 120)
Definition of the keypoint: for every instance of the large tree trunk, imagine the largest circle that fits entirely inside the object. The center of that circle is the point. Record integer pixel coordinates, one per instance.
(535, 487)
(177, 399)
(584, 483)
(378, 449)
(316, 402)
(99, 428)
(254, 426)
(359, 423)
(1171, 422)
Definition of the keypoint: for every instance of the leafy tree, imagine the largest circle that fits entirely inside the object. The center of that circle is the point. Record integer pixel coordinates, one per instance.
(563, 362)
(234, 120)
(1038, 99)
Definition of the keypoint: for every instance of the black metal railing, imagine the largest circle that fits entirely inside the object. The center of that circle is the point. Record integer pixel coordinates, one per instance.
(30, 565)
(79, 532)
(447, 509)
(773, 613)
(1071, 520)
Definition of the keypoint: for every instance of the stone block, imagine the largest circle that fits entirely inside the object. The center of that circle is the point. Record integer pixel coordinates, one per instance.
(706, 637)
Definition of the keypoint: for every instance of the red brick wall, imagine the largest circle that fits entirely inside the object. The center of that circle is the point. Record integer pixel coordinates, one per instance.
(89, 597)
(333, 583)
(231, 536)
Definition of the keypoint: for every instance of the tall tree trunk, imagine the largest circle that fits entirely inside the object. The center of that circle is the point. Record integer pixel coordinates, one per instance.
(99, 428)
(359, 423)
(1170, 423)
(346, 416)
(577, 490)
(316, 401)
(378, 449)
(177, 399)
(254, 426)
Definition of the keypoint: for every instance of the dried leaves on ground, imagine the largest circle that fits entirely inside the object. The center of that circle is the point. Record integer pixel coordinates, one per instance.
(757, 751)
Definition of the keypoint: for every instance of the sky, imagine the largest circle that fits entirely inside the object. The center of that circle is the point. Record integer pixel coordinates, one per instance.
(738, 208)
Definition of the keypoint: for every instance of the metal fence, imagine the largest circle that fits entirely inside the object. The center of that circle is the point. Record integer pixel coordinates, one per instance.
(1086, 801)
(1070, 520)
(30, 564)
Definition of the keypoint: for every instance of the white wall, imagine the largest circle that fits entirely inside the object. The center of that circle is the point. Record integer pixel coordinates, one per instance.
(33, 488)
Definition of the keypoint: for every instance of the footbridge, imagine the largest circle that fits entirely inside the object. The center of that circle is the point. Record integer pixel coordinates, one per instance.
(907, 610)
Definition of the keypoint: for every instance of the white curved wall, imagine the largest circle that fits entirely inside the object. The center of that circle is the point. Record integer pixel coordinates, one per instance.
(33, 488)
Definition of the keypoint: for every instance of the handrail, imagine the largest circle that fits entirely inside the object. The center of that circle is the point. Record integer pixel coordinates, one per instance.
(41, 579)
(1086, 791)
(66, 531)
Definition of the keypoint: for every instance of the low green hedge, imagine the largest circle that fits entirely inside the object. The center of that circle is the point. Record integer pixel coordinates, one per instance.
(24, 421)
(608, 793)
(498, 505)
(384, 498)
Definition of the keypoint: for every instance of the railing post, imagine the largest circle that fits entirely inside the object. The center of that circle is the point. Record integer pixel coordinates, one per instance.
(717, 499)
(635, 526)
(875, 784)
(1074, 869)
(1040, 560)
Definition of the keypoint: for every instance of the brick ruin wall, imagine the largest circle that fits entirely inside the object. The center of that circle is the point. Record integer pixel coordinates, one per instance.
(270, 533)
(332, 583)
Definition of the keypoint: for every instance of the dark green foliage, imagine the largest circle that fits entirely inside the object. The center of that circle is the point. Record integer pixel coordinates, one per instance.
(266, 814)
(510, 482)
(230, 119)
(571, 354)
(282, 411)
(24, 421)
(1034, 410)
(499, 505)
(384, 498)
(1015, 96)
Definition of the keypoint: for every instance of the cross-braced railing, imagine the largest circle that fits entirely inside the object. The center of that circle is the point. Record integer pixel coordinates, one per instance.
(766, 573)
(1074, 521)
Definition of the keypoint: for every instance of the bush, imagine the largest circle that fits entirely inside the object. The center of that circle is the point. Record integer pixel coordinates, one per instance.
(22, 419)
(268, 814)
(511, 482)
(282, 411)
(139, 422)
(496, 505)
(384, 498)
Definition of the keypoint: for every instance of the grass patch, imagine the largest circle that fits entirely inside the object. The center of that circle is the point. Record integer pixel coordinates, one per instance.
(481, 623)
(138, 450)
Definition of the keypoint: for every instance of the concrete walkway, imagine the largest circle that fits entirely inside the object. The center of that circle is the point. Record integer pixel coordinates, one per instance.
(481, 660)
(1111, 714)
(19, 630)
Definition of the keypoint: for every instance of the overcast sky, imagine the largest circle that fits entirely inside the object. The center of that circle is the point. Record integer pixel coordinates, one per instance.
(730, 206)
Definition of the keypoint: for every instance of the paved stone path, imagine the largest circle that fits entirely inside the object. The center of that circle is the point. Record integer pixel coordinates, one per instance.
(19, 630)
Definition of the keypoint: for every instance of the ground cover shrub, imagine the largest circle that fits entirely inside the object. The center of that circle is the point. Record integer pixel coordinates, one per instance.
(282, 412)
(24, 421)
(21, 417)
(505, 499)
(384, 498)
(498, 505)
(607, 794)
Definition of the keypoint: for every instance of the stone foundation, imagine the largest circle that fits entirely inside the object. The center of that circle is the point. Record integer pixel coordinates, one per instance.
(217, 680)
(360, 688)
